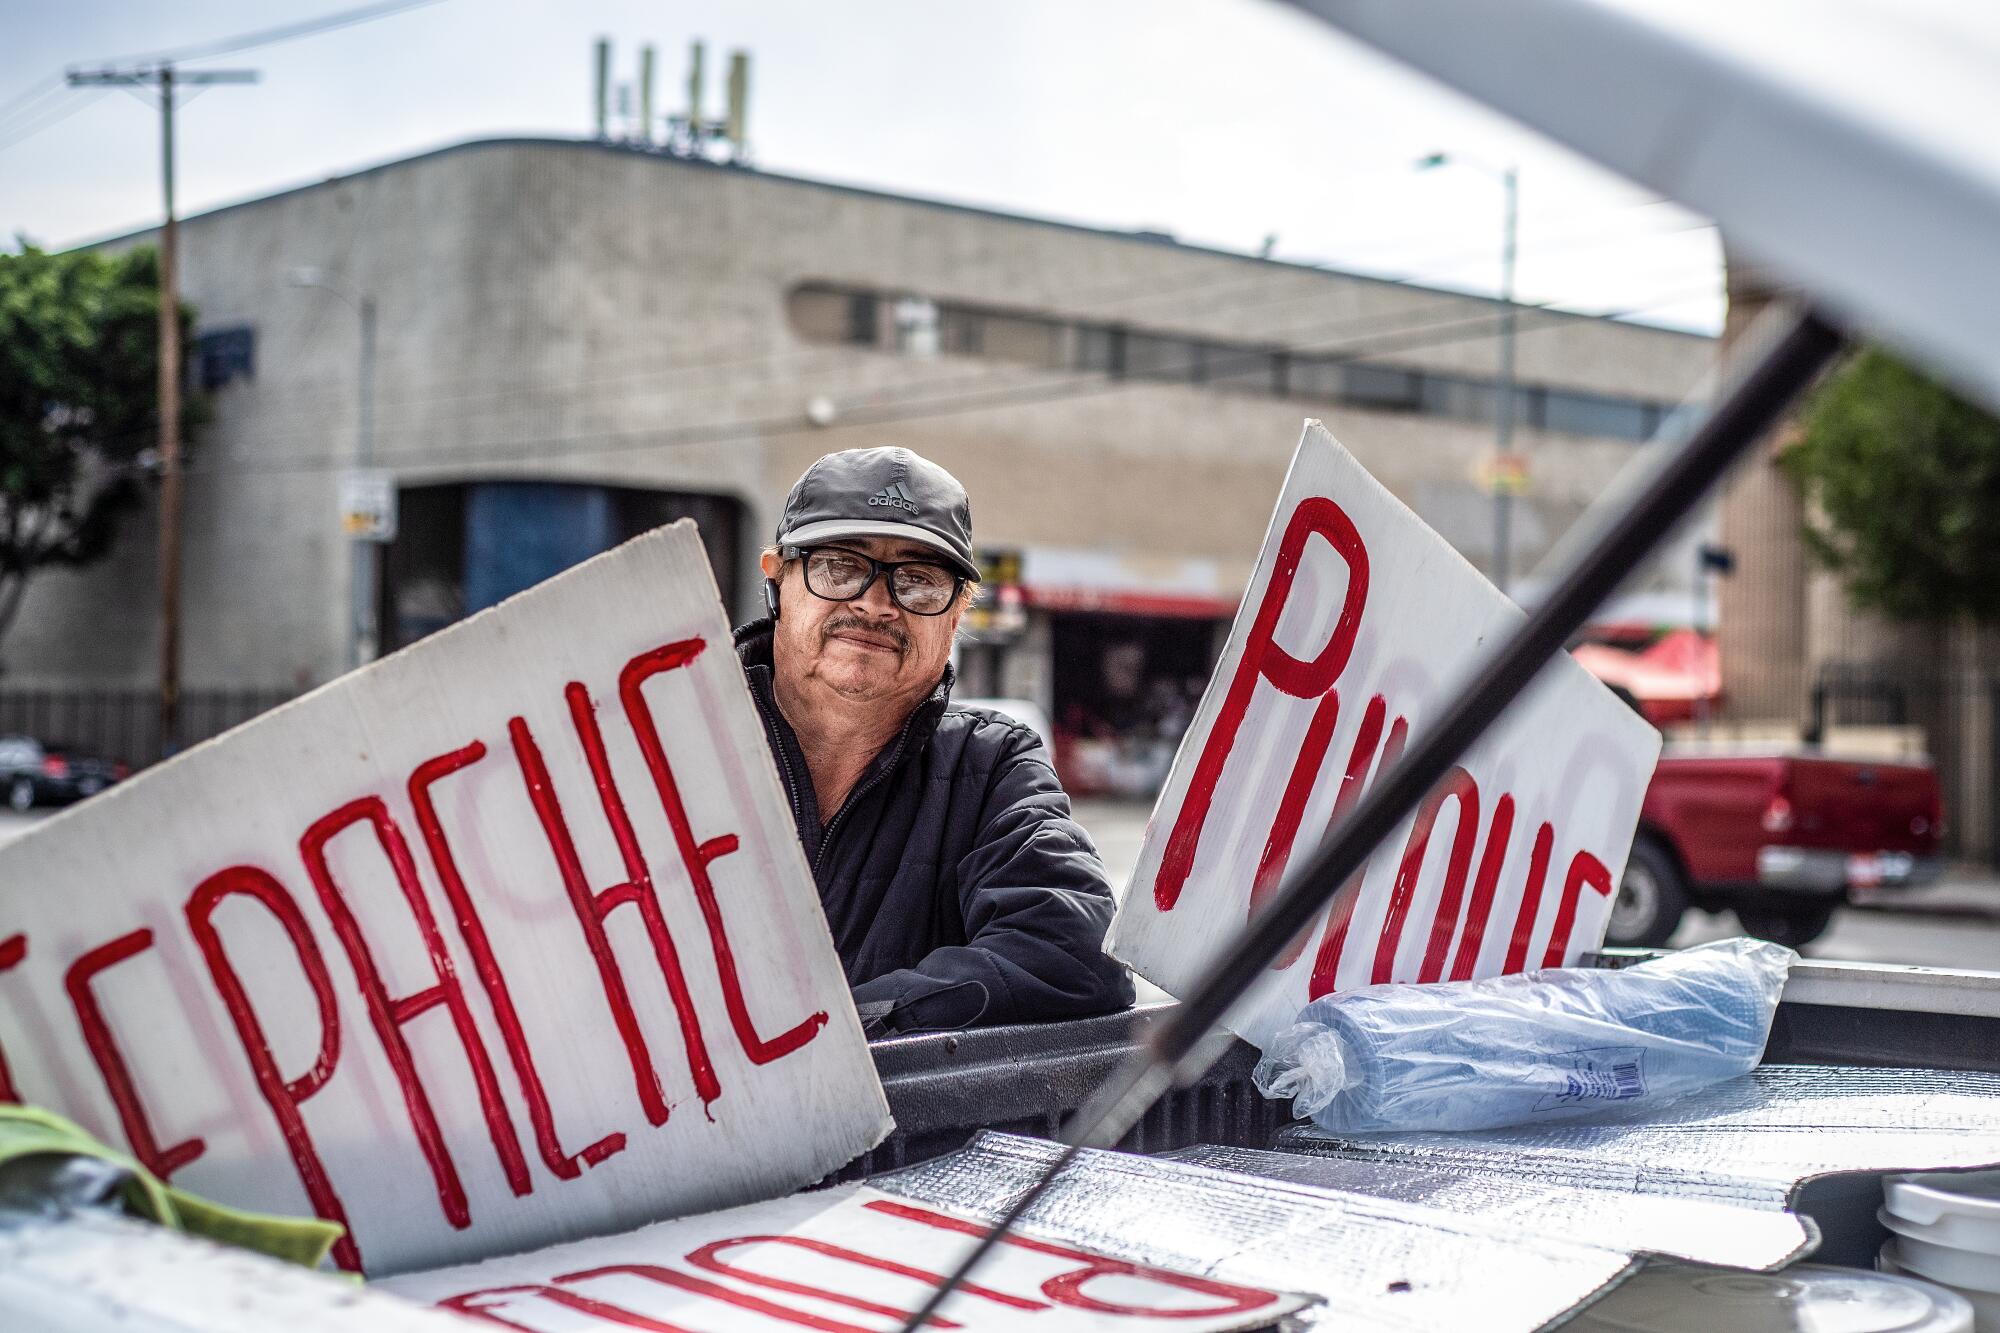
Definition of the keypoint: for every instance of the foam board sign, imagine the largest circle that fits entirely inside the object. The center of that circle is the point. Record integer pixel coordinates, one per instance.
(1358, 624)
(850, 1260)
(502, 940)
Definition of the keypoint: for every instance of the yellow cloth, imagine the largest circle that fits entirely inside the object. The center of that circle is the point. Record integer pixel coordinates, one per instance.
(27, 1131)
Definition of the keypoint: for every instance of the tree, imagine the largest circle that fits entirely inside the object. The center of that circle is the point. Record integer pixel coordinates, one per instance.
(79, 405)
(1902, 477)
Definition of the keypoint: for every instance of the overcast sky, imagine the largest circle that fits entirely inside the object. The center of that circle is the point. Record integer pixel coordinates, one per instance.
(1222, 121)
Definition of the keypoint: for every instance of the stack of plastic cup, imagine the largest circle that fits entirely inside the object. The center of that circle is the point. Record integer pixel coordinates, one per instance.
(1945, 1228)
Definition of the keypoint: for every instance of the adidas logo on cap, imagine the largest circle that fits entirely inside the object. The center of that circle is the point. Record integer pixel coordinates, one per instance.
(894, 495)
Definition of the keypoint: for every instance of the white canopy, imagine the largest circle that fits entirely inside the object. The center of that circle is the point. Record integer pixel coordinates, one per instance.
(1851, 145)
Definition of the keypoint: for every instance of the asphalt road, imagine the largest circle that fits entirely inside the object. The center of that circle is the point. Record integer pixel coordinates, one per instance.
(1957, 925)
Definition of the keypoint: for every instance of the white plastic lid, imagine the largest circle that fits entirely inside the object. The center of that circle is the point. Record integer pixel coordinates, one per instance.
(1927, 1197)
(1690, 1298)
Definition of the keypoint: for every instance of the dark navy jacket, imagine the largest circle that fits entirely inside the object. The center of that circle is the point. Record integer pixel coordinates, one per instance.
(958, 887)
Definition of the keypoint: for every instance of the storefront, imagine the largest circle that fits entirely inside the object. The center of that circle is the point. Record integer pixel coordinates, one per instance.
(1115, 651)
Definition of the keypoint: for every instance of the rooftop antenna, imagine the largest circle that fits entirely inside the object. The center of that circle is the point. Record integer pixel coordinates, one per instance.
(694, 122)
(646, 93)
(602, 100)
(624, 111)
(739, 105)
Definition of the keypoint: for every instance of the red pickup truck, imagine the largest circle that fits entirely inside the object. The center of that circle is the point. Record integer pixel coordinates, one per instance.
(1777, 837)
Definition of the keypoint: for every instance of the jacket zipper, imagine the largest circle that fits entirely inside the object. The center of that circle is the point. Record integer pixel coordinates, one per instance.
(895, 757)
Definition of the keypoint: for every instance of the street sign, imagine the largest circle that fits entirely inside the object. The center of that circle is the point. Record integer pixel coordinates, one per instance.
(1358, 627)
(503, 939)
(1503, 473)
(368, 505)
(827, 1260)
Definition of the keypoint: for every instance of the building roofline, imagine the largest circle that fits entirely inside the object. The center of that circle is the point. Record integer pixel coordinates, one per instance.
(1134, 237)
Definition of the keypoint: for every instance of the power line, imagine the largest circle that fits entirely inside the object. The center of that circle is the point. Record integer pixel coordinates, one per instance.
(30, 102)
(61, 113)
(268, 36)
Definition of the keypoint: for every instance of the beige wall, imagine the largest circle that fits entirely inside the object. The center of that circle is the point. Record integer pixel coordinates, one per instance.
(575, 311)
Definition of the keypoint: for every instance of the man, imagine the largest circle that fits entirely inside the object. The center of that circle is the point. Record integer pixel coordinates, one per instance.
(958, 887)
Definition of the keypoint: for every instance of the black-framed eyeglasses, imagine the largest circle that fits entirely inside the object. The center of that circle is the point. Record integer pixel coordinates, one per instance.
(836, 574)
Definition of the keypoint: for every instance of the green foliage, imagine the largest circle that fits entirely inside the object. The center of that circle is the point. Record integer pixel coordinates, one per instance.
(79, 411)
(1903, 477)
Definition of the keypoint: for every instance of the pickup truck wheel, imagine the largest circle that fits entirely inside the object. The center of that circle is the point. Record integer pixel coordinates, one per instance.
(1790, 926)
(1651, 899)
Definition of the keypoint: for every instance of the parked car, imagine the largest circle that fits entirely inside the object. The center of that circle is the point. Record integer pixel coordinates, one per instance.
(35, 773)
(1028, 714)
(1779, 837)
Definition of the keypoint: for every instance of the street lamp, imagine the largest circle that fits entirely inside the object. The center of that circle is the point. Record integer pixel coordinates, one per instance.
(363, 635)
(1505, 472)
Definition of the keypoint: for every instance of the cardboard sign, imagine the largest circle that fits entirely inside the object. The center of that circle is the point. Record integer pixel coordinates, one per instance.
(1358, 624)
(505, 939)
(851, 1260)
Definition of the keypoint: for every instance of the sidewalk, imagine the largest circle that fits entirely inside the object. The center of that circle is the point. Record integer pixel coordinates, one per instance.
(1967, 891)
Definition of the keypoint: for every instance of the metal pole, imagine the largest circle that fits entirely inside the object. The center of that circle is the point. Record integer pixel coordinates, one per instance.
(170, 434)
(1503, 415)
(364, 642)
(1179, 1048)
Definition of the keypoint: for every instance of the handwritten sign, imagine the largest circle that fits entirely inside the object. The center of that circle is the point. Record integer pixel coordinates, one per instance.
(852, 1260)
(1358, 624)
(503, 940)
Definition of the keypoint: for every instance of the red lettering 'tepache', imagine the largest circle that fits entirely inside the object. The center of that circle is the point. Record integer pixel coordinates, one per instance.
(12, 950)
(698, 856)
(284, 1096)
(390, 1013)
(565, 1165)
(162, 1162)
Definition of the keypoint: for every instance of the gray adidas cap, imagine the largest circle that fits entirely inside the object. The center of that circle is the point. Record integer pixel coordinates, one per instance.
(881, 493)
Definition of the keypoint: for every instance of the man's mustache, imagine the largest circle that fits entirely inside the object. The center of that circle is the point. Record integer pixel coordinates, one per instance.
(886, 629)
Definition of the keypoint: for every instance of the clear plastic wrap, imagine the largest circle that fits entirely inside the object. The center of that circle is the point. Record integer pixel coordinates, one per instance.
(1530, 1047)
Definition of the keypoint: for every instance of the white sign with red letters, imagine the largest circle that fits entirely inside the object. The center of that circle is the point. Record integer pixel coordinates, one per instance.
(503, 940)
(1358, 624)
(848, 1260)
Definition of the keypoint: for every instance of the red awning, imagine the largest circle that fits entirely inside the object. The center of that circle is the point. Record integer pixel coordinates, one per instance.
(1190, 606)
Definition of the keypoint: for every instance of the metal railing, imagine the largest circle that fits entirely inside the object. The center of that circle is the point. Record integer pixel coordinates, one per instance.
(125, 724)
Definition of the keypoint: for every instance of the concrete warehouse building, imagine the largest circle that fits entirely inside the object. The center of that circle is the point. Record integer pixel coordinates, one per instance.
(578, 340)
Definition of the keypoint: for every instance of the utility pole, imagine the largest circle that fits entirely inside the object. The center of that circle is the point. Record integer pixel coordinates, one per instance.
(166, 78)
(1503, 417)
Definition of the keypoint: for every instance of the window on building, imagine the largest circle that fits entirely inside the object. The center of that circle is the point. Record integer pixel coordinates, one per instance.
(222, 355)
(916, 326)
(864, 318)
(1597, 414)
(818, 314)
(1382, 386)
(1316, 377)
(1246, 369)
(1100, 347)
(1004, 337)
(1152, 356)
(1458, 397)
